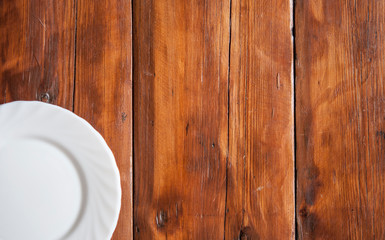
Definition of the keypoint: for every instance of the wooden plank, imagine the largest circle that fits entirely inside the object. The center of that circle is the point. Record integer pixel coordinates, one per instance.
(37, 51)
(103, 93)
(260, 202)
(181, 52)
(340, 119)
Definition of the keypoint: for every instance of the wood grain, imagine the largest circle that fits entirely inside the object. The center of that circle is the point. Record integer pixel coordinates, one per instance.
(260, 202)
(180, 118)
(340, 119)
(103, 93)
(37, 51)
(213, 108)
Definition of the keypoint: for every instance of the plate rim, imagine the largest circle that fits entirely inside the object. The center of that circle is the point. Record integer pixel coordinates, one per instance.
(95, 133)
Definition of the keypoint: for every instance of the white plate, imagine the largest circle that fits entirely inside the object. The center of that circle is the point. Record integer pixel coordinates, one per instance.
(58, 178)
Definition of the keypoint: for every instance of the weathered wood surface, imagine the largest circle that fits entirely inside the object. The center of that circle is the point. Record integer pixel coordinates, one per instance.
(340, 119)
(213, 108)
(180, 118)
(182, 72)
(103, 86)
(37, 51)
(260, 198)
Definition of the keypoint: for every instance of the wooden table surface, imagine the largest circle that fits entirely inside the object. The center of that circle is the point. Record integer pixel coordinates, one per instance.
(233, 119)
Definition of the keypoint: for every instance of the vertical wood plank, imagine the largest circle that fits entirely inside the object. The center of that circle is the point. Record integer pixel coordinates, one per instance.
(340, 119)
(180, 118)
(37, 51)
(103, 93)
(260, 202)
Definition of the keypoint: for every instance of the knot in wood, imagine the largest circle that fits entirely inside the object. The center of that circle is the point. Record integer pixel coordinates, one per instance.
(161, 219)
(45, 97)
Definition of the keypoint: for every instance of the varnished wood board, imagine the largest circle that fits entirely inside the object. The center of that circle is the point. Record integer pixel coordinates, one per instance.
(103, 86)
(180, 118)
(260, 198)
(37, 51)
(340, 119)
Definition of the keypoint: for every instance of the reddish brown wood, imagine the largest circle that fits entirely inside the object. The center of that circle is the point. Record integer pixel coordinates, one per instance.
(197, 104)
(260, 198)
(37, 51)
(340, 119)
(103, 93)
(180, 117)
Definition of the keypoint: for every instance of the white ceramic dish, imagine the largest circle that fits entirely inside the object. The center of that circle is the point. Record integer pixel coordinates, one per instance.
(58, 178)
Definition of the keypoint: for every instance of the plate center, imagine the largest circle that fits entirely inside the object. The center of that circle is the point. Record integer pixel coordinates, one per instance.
(40, 190)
